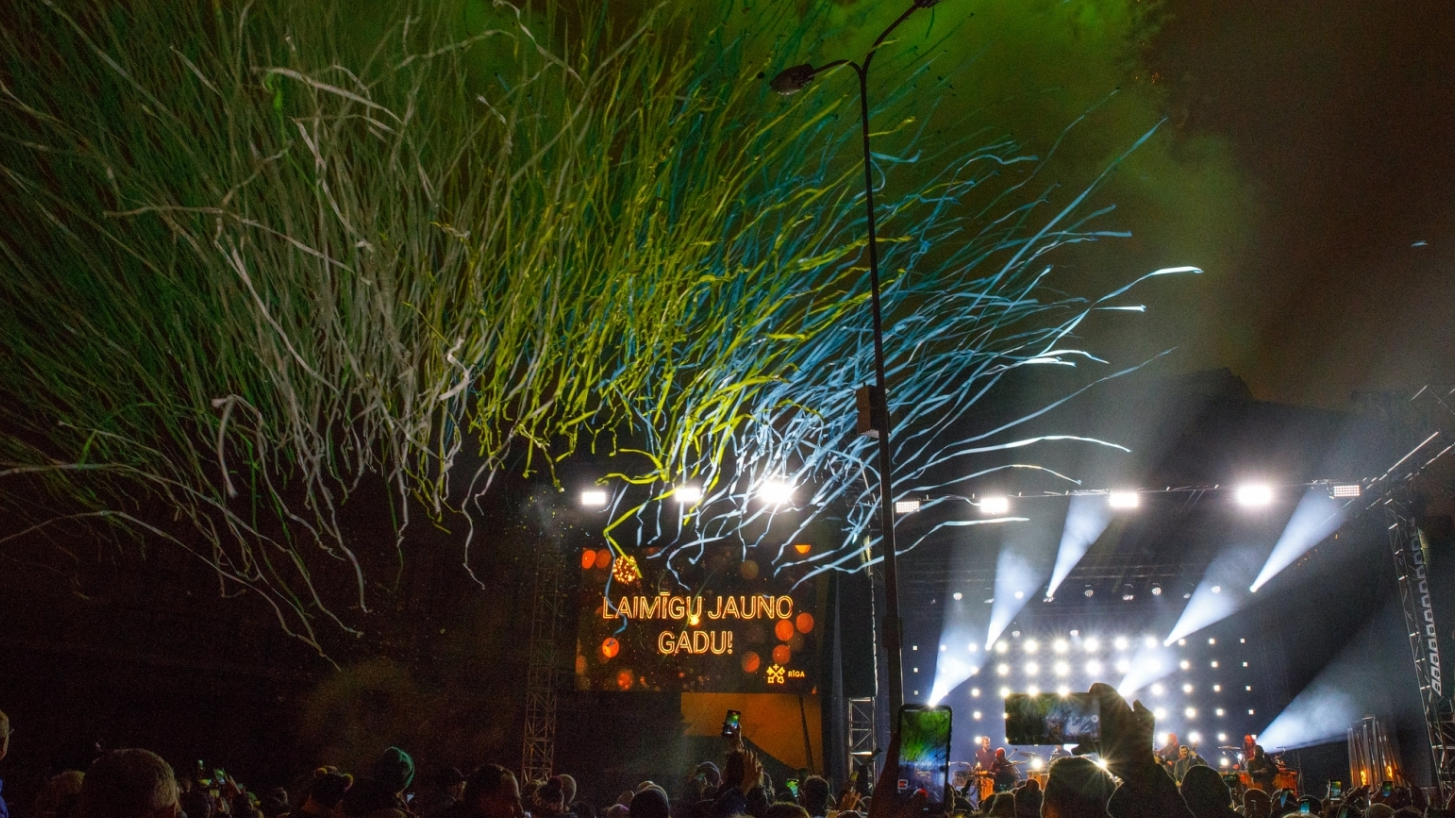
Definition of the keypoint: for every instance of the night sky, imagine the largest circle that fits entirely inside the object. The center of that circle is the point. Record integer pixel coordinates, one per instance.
(1306, 148)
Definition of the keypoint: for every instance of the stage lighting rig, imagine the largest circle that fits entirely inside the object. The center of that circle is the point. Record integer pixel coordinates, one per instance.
(1254, 495)
(594, 498)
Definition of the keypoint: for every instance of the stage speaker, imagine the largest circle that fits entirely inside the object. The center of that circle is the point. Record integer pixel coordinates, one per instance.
(1437, 546)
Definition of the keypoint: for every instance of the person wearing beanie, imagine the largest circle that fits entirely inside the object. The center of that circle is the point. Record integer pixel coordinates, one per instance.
(381, 795)
(650, 802)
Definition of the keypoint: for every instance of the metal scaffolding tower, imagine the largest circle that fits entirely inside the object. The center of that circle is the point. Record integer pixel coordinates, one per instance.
(1419, 616)
(544, 674)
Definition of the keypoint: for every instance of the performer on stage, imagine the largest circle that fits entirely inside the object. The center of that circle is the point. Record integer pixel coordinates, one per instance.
(984, 756)
(1261, 769)
(1003, 771)
(1169, 752)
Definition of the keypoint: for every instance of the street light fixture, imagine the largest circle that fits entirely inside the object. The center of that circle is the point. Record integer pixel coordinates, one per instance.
(789, 81)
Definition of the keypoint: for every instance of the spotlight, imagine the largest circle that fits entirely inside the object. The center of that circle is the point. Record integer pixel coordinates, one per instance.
(1219, 712)
(1020, 594)
(1217, 589)
(1059, 646)
(1004, 692)
(906, 506)
(1158, 689)
(1194, 737)
(1149, 642)
(1190, 712)
(1093, 668)
(975, 692)
(1184, 664)
(1123, 500)
(1001, 647)
(958, 596)
(1222, 736)
(1091, 645)
(1254, 495)
(1217, 689)
(1032, 668)
(1128, 596)
(995, 505)
(1123, 666)
(1344, 490)
(1061, 669)
(976, 714)
(593, 498)
(775, 492)
(1181, 642)
(1212, 641)
(1037, 764)
(1159, 713)
(1156, 590)
(1088, 593)
(1033, 690)
(1002, 669)
(1032, 646)
(1222, 762)
(1120, 643)
(972, 647)
(1187, 688)
(687, 495)
(943, 648)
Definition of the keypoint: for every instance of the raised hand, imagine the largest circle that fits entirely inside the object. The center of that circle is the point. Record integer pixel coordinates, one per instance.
(886, 803)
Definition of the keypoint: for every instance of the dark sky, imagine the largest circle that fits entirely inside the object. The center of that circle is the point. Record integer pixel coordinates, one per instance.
(1342, 115)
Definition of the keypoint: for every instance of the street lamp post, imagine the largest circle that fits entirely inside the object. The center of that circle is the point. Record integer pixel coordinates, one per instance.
(789, 81)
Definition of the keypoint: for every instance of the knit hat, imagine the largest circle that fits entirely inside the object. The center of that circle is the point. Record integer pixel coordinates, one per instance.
(394, 769)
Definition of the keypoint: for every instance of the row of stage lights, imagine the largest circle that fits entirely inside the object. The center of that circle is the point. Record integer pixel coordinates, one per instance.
(778, 492)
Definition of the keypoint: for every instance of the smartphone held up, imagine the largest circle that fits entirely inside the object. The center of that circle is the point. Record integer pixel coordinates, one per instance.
(1052, 718)
(924, 754)
(732, 724)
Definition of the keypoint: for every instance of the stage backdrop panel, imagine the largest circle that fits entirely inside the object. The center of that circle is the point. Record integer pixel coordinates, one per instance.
(720, 619)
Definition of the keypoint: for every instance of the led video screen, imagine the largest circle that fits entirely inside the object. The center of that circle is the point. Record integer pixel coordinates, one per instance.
(725, 621)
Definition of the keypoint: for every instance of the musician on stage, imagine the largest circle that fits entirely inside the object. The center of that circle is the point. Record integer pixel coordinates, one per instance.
(984, 756)
(1169, 752)
(1261, 769)
(1002, 771)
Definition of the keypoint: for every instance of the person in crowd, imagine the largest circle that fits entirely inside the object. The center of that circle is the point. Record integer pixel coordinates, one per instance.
(1187, 758)
(129, 784)
(492, 792)
(1257, 804)
(1028, 799)
(324, 794)
(568, 789)
(1205, 793)
(650, 803)
(784, 809)
(381, 794)
(549, 800)
(444, 790)
(742, 776)
(1076, 788)
(61, 796)
(814, 795)
(5, 732)
(196, 803)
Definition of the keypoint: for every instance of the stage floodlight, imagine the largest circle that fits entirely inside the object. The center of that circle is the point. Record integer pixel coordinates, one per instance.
(1002, 647)
(1032, 669)
(1120, 643)
(1033, 690)
(1158, 689)
(1181, 642)
(906, 506)
(1123, 500)
(1128, 596)
(687, 495)
(974, 692)
(1187, 687)
(1222, 762)
(1184, 664)
(1037, 764)
(1149, 642)
(1190, 712)
(1217, 688)
(1222, 736)
(1219, 712)
(1093, 668)
(1214, 663)
(1088, 593)
(976, 714)
(995, 505)
(1002, 669)
(1020, 594)
(1156, 590)
(1194, 737)
(775, 492)
(972, 647)
(1101, 762)
(943, 648)
(1061, 669)
(1091, 645)
(1005, 692)
(1123, 666)
(1032, 646)
(958, 596)
(1159, 713)
(594, 498)
(1060, 645)
(1344, 489)
(1254, 495)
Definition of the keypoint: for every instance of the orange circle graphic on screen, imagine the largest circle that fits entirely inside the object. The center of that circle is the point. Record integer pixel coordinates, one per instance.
(803, 548)
(610, 648)
(603, 559)
(751, 662)
(588, 560)
(624, 679)
(783, 630)
(804, 621)
(782, 654)
(748, 569)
